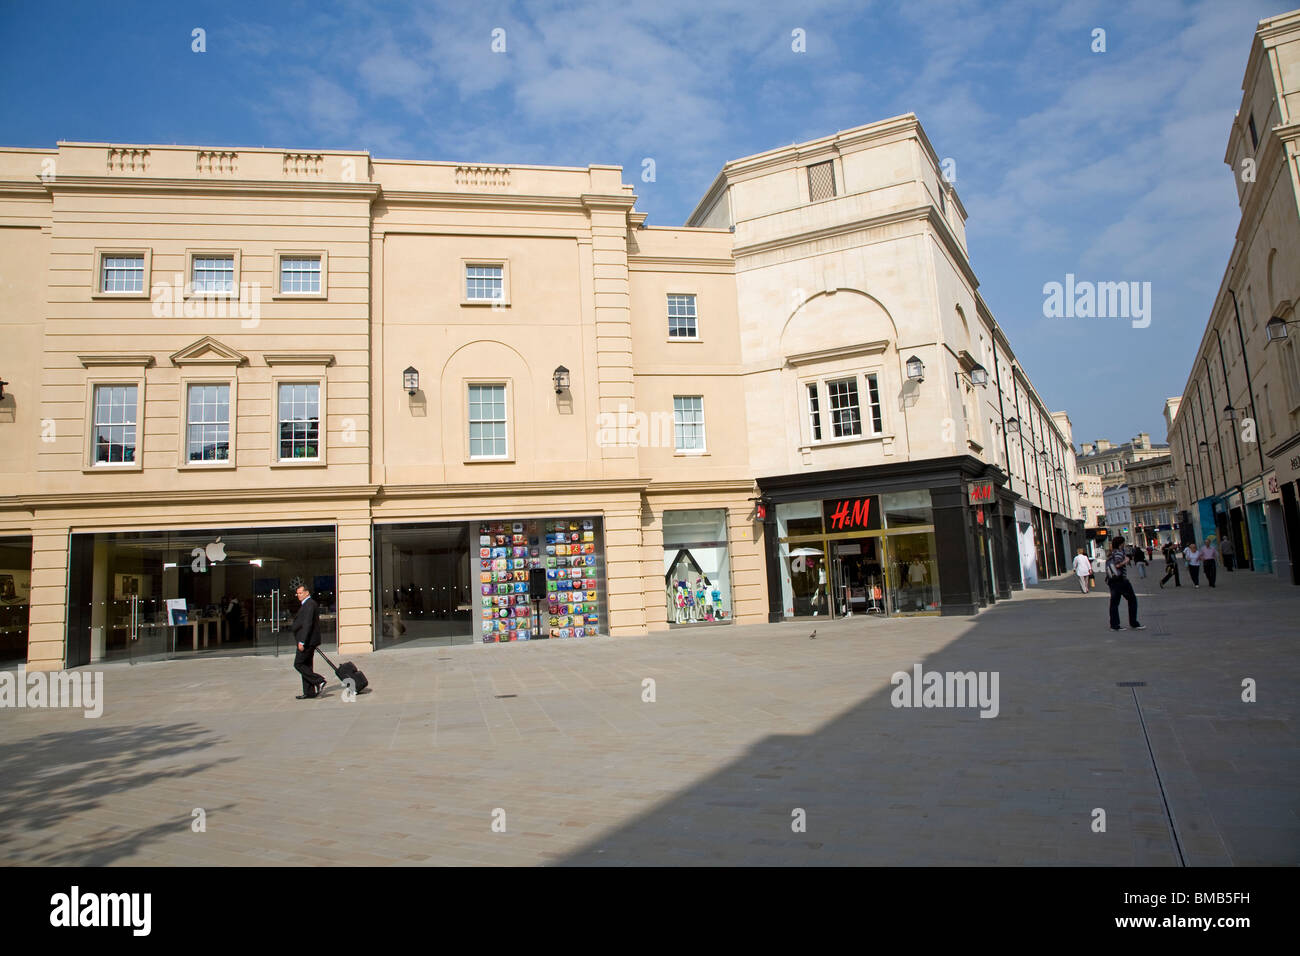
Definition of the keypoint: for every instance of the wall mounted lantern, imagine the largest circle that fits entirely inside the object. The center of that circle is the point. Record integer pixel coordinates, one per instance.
(561, 379)
(1230, 412)
(915, 370)
(411, 380)
(978, 375)
(3, 383)
(1275, 328)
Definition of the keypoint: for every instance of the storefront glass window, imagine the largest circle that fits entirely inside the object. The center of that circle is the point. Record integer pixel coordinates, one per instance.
(425, 590)
(799, 518)
(913, 573)
(15, 598)
(805, 589)
(143, 594)
(697, 572)
(904, 508)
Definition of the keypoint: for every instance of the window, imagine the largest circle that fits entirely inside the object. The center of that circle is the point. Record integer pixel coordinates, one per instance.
(943, 199)
(688, 422)
(821, 181)
(873, 396)
(122, 273)
(1254, 136)
(212, 274)
(487, 421)
(846, 418)
(484, 283)
(300, 275)
(814, 413)
(207, 430)
(299, 413)
(1268, 411)
(114, 424)
(681, 317)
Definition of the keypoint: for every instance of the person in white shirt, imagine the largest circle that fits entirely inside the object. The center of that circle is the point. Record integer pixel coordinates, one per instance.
(1193, 555)
(1209, 561)
(1082, 568)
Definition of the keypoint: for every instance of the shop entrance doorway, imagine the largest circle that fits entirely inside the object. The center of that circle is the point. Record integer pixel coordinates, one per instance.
(858, 576)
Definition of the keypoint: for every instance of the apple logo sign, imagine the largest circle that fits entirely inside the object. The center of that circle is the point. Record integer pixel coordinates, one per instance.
(216, 551)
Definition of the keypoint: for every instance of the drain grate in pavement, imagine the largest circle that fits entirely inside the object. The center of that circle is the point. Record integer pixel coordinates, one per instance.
(1131, 683)
(499, 696)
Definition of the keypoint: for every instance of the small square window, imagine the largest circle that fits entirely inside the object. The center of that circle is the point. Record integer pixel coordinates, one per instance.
(681, 317)
(122, 273)
(300, 275)
(212, 274)
(485, 283)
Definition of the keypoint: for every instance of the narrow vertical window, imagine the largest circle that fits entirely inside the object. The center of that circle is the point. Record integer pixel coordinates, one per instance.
(208, 423)
(299, 411)
(814, 413)
(487, 421)
(681, 317)
(688, 422)
(873, 395)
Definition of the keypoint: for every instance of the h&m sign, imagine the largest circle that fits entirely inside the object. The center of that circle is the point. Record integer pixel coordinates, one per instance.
(982, 493)
(852, 514)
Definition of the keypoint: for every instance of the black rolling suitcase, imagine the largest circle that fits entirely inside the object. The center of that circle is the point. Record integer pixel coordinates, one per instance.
(347, 671)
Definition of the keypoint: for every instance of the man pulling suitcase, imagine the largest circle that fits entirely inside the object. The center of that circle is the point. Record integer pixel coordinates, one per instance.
(306, 628)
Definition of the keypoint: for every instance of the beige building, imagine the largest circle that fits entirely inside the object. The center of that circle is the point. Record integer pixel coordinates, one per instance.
(1109, 461)
(1235, 438)
(1151, 495)
(464, 403)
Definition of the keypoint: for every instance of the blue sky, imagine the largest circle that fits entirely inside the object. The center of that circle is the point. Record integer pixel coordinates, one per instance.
(1105, 165)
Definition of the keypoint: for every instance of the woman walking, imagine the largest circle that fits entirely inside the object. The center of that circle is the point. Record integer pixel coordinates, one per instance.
(1082, 570)
(1228, 550)
(1193, 555)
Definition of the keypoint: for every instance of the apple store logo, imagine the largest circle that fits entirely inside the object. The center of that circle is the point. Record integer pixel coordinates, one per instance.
(212, 553)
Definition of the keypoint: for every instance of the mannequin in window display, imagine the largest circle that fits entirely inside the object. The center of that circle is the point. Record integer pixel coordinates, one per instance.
(716, 595)
(690, 602)
(681, 602)
(706, 600)
(699, 600)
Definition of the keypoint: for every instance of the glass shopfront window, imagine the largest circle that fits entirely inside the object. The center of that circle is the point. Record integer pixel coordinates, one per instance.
(163, 594)
(697, 571)
(461, 582)
(15, 598)
(861, 554)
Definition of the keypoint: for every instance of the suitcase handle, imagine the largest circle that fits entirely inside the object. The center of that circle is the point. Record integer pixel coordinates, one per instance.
(327, 660)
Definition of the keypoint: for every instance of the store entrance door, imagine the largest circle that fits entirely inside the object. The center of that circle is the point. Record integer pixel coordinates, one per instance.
(858, 577)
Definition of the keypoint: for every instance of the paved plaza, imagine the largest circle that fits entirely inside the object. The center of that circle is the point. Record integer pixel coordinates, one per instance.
(554, 742)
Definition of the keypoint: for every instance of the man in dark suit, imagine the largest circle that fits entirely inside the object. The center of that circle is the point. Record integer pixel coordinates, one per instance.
(306, 628)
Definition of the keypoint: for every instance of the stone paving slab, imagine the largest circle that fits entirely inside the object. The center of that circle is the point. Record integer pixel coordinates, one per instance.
(749, 725)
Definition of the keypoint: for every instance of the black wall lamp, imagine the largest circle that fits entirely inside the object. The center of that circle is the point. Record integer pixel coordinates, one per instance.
(1230, 412)
(1013, 425)
(1275, 328)
(411, 380)
(561, 378)
(3, 383)
(915, 370)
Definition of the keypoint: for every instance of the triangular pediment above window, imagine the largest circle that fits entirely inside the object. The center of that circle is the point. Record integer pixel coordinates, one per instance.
(208, 351)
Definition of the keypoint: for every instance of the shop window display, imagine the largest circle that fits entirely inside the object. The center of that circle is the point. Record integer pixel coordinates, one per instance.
(569, 551)
(697, 573)
(914, 574)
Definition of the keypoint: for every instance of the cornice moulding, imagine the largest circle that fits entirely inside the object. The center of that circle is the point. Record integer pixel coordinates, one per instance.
(838, 352)
(299, 358)
(118, 500)
(120, 360)
(136, 184)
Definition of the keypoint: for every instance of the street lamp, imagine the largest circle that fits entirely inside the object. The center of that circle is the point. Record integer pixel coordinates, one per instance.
(1230, 412)
(1275, 328)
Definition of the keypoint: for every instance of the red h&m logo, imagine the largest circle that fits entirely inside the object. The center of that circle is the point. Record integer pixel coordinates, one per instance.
(980, 493)
(851, 514)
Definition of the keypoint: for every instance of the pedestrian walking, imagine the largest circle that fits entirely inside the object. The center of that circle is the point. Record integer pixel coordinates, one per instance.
(1140, 559)
(1118, 582)
(1229, 551)
(306, 627)
(1171, 565)
(1151, 553)
(1082, 570)
(1209, 561)
(1192, 554)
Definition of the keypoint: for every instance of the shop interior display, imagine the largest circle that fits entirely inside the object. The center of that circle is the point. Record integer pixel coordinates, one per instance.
(566, 549)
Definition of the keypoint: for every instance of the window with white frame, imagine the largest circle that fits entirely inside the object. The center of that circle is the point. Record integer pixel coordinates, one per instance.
(212, 274)
(487, 421)
(300, 275)
(814, 413)
(484, 283)
(681, 317)
(299, 416)
(207, 424)
(846, 414)
(122, 273)
(688, 422)
(115, 424)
